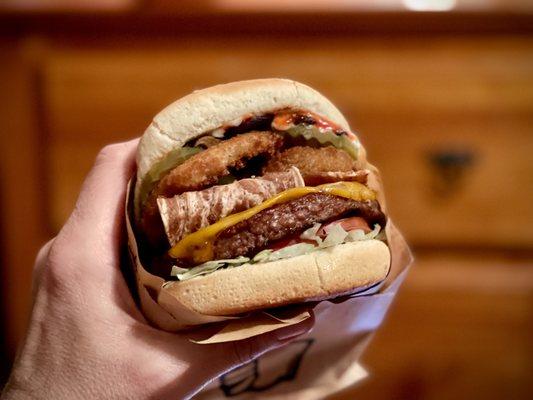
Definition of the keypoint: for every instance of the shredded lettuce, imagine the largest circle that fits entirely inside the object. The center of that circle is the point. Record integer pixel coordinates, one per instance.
(206, 268)
(336, 235)
(309, 132)
(311, 234)
(262, 255)
(359, 234)
(294, 250)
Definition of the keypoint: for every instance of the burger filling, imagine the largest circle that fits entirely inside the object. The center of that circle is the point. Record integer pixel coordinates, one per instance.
(261, 189)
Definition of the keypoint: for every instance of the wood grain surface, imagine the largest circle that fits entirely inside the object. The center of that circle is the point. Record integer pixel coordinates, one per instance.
(448, 119)
(414, 102)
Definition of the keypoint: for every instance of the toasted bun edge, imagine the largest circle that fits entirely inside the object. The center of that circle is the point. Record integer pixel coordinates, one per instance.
(319, 275)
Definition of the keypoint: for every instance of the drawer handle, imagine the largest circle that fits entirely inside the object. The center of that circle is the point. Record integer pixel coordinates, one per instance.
(449, 167)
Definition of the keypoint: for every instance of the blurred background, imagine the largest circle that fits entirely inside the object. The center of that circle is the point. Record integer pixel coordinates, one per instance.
(441, 92)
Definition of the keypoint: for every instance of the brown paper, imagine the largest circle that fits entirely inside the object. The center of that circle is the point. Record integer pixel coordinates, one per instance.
(255, 324)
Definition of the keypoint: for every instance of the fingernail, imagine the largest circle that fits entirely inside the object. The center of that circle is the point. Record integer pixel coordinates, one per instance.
(292, 331)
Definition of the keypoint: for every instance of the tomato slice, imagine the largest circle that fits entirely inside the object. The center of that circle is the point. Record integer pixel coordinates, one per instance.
(285, 242)
(294, 239)
(348, 224)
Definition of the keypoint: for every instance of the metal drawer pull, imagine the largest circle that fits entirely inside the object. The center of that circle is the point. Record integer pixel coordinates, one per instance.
(449, 167)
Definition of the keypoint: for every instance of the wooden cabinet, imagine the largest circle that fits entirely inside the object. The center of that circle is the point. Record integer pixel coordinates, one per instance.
(448, 119)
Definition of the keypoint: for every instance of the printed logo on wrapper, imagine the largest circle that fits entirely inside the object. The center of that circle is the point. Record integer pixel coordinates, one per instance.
(255, 377)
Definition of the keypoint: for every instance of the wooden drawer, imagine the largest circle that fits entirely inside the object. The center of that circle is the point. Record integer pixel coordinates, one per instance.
(458, 329)
(464, 181)
(449, 122)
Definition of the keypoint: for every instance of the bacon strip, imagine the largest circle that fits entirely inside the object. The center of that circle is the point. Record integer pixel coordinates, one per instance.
(190, 211)
(319, 178)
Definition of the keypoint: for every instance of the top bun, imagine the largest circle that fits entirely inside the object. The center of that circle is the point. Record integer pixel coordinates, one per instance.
(208, 109)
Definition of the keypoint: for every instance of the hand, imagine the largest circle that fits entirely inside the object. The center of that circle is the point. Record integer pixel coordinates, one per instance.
(86, 339)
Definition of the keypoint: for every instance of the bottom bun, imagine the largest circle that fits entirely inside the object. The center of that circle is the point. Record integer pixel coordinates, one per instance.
(320, 275)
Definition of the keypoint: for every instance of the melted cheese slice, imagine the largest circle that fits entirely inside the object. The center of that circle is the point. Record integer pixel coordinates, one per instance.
(198, 246)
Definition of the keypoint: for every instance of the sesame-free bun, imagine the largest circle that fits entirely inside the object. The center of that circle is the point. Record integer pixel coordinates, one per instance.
(320, 275)
(205, 110)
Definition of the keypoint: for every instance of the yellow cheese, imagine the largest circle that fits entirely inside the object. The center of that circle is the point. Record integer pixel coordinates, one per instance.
(198, 246)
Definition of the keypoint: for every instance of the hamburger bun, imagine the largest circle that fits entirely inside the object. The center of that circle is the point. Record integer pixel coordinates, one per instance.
(322, 274)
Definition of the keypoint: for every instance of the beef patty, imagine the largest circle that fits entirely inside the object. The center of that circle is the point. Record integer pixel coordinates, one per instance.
(254, 234)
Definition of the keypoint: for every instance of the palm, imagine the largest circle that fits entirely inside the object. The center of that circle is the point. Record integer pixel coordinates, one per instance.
(86, 331)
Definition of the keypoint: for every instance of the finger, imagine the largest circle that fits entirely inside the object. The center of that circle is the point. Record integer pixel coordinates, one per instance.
(241, 352)
(100, 203)
(217, 359)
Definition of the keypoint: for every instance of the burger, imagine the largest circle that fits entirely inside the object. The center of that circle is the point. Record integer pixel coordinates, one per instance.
(256, 194)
